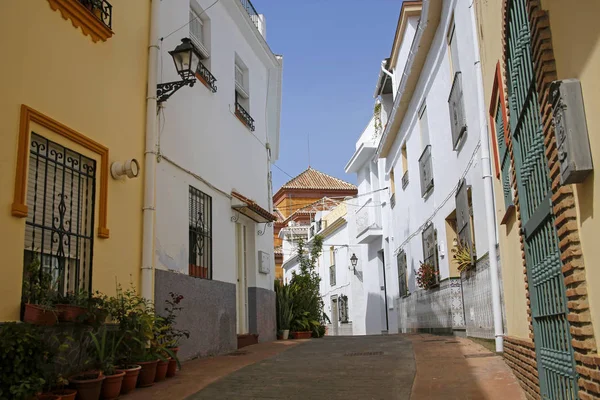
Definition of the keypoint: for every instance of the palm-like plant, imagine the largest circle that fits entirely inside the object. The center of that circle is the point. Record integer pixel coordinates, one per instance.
(285, 306)
(105, 346)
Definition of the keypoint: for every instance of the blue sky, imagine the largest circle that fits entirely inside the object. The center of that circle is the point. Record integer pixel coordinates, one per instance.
(332, 51)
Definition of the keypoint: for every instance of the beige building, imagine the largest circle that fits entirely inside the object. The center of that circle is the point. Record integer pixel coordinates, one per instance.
(548, 228)
(73, 103)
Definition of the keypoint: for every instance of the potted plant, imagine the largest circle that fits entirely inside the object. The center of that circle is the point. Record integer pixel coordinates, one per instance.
(72, 306)
(172, 335)
(37, 294)
(427, 276)
(302, 326)
(123, 309)
(285, 308)
(105, 345)
(24, 357)
(463, 256)
(62, 391)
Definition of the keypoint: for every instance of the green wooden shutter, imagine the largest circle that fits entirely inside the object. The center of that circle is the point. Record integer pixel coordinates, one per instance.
(504, 157)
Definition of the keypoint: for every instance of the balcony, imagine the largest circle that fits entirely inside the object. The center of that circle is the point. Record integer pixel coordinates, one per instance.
(243, 116)
(405, 180)
(101, 9)
(458, 120)
(368, 222)
(252, 13)
(206, 77)
(426, 171)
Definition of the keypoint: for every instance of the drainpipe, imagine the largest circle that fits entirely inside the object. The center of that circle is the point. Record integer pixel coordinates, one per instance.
(147, 272)
(385, 71)
(488, 188)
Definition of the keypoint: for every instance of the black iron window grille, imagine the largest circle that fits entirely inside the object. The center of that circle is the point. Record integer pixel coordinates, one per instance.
(426, 171)
(243, 115)
(207, 77)
(332, 281)
(252, 13)
(430, 248)
(200, 234)
(405, 180)
(402, 267)
(59, 227)
(101, 9)
(343, 306)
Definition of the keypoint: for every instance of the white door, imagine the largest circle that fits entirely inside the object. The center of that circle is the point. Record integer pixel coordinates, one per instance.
(334, 316)
(242, 286)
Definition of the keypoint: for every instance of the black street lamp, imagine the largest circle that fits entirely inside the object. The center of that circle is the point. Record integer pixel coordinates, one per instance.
(354, 260)
(186, 58)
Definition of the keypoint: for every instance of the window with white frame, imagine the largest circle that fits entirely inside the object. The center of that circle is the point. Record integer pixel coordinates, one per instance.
(332, 273)
(199, 29)
(242, 93)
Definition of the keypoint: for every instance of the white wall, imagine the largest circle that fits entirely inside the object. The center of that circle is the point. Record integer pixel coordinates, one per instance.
(199, 132)
(433, 89)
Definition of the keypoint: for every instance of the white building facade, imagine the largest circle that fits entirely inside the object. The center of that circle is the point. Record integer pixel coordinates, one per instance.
(217, 140)
(429, 156)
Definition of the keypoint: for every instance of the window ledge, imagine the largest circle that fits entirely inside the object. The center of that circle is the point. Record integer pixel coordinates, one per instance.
(82, 18)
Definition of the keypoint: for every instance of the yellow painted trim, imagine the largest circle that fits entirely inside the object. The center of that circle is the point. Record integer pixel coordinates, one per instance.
(82, 18)
(409, 9)
(28, 115)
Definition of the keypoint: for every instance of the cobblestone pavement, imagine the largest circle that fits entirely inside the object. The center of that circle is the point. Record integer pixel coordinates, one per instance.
(359, 367)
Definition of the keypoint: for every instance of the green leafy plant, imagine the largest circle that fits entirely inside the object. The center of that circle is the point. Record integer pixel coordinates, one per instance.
(463, 256)
(38, 284)
(285, 306)
(171, 336)
(105, 346)
(307, 303)
(79, 298)
(24, 357)
(427, 276)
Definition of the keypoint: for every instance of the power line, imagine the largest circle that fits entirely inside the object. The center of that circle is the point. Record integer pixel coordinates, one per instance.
(190, 21)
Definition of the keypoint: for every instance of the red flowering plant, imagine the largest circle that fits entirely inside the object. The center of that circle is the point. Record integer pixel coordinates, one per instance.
(171, 336)
(427, 276)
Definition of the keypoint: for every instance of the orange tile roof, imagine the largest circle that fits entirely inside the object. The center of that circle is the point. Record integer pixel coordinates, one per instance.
(313, 179)
(254, 206)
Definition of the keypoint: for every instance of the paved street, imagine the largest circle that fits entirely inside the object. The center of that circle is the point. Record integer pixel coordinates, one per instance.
(360, 367)
(373, 367)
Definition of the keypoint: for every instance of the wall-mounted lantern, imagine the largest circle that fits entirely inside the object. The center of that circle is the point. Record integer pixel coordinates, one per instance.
(186, 58)
(354, 260)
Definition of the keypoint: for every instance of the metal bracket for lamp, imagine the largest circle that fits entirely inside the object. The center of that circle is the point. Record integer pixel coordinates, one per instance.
(166, 90)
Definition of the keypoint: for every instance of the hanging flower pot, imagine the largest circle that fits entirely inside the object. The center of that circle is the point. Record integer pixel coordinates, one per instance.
(147, 373)
(39, 315)
(65, 394)
(88, 385)
(130, 379)
(111, 388)
(161, 370)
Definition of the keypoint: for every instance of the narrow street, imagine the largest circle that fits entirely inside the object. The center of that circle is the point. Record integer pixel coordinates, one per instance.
(359, 367)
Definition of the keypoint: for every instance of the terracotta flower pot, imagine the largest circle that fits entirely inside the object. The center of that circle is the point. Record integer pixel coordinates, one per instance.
(302, 335)
(69, 313)
(88, 385)
(147, 373)
(65, 394)
(111, 388)
(38, 315)
(48, 396)
(130, 379)
(172, 368)
(161, 370)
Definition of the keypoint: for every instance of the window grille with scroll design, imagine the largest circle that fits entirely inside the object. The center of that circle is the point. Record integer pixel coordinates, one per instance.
(200, 234)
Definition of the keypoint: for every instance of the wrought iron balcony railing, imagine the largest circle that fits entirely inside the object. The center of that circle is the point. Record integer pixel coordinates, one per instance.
(426, 170)
(247, 4)
(244, 116)
(405, 180)
(206, 76)
(101, 9)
